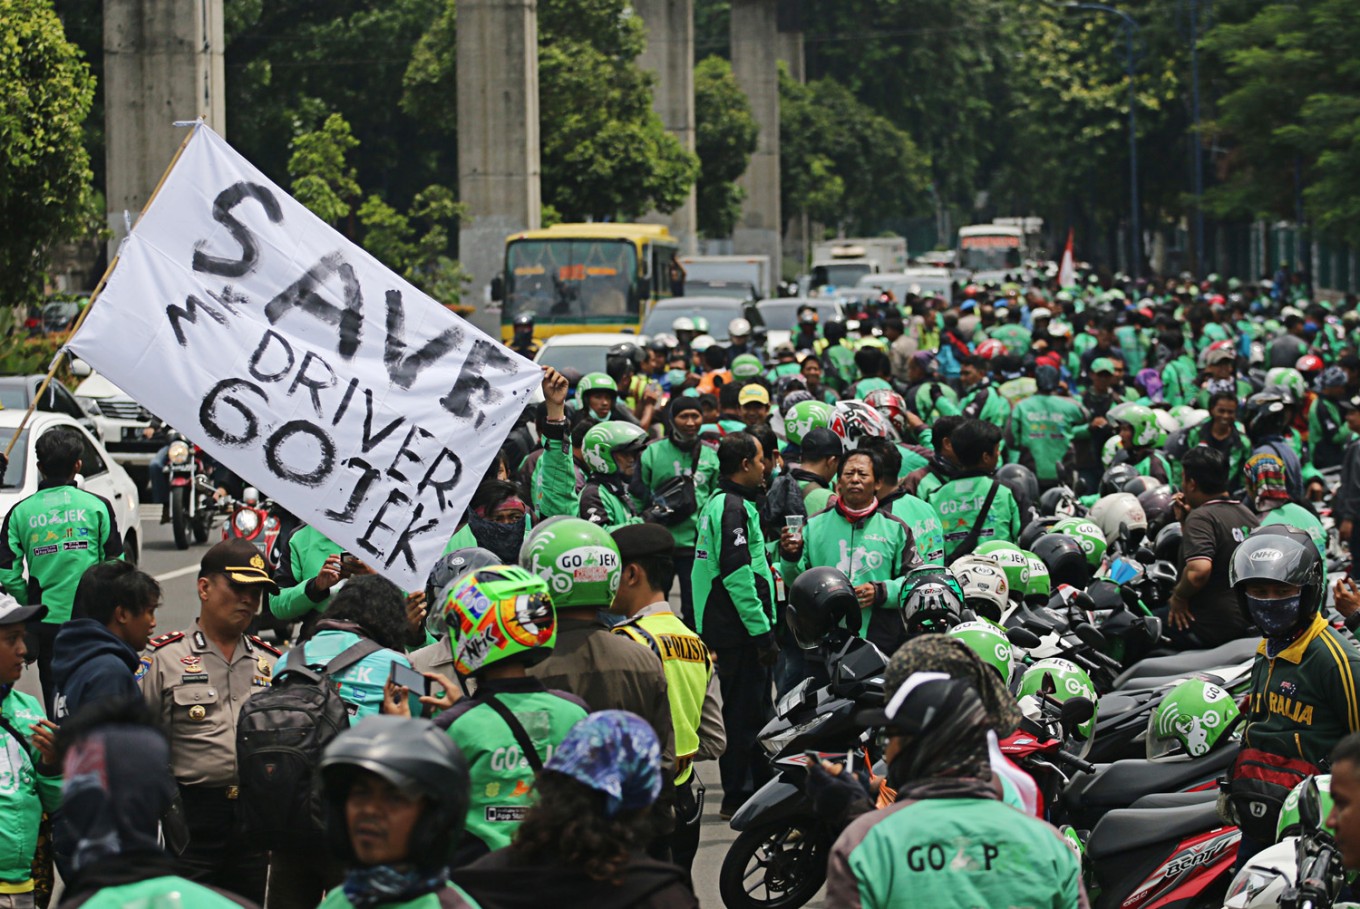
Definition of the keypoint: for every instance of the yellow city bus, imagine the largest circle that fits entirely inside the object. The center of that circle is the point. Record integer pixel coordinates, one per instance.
(585, 277)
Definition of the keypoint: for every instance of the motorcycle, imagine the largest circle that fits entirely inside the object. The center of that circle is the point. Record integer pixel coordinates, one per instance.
(1297, 872)
(252, 518)
(778, 860)
(191, 492)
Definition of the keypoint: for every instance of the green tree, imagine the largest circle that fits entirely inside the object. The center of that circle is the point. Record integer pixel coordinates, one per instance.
(45, 192)
(323, 178)
(725, 138)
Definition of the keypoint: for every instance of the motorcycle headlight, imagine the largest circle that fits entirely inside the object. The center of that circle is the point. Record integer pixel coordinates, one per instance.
(246, 521)
(178, 453)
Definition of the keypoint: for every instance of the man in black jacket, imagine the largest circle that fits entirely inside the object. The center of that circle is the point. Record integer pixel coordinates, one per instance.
(96, 654)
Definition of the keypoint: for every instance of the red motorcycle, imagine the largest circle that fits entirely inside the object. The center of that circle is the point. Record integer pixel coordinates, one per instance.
(250, 518)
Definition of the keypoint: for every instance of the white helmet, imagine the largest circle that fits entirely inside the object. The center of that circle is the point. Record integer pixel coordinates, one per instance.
(738, 328)
(682, 323)
(1193, 417)
(984, 584)
(1119, 514)
(702, 343)
(1166, 422)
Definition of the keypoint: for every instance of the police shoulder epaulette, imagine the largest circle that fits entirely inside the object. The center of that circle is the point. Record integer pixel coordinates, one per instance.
(265, 645)
(160, 641)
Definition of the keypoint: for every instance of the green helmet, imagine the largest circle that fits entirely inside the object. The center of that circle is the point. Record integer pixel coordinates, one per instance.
(1040, 585)
(578, 559)
(1290, 823)
(1062, 680)
(1142, 420)
(1089, 537)
(804, 417)
(605, 439)
(701, 325)
(594, 381)
(989, 642)
(1290, 378)
(498, 612)
(1112, 447)
(1012, 561)
(746, 366)
(1190, 720)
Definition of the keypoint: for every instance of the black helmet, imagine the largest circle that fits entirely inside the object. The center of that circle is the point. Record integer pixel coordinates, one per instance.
(416, 757)
(1167, 547)
(1065, 558)
(1033, 531)
(1284, 555)
(452, 566)
(794, 398)
(1022, 483)
(1116, 477)
(1156, 504)
(1269, 414)
(1060, 501)
(933, 604)
(524, 320)
(627, 349)
(820, 600)
(1141, 484)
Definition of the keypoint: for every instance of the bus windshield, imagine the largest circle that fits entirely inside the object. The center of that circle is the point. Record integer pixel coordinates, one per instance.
(574, 279)
(989, 252)
(845, 274)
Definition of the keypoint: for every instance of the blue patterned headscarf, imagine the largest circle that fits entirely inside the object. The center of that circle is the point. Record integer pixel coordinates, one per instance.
(614, 752)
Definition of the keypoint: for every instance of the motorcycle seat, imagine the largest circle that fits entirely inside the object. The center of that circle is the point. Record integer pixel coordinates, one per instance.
(1124, 782)
(1181, 664)
(1126, 829)
(1177, 799)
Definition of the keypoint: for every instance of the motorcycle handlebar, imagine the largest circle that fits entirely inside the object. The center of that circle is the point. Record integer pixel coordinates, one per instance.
(1071, 760)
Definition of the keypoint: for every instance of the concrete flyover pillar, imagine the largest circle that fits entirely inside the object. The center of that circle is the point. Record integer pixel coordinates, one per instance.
(162, 62)
(755, 48)
(498, 146)
(670, 55)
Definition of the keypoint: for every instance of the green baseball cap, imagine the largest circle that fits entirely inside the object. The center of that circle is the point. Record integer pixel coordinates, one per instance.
(1102, 364)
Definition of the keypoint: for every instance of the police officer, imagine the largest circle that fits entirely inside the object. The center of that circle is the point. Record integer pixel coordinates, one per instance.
(647, 552)
(195, 682)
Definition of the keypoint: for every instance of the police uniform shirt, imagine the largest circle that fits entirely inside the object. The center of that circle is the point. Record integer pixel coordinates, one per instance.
(196, 693)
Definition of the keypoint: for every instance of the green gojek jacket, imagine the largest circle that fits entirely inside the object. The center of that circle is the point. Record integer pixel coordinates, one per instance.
(959, 502)
(605, 501)
(57, 532)
(1133, 341)
(559, 491)
(451, 897)
(299, 562)
(1015, 338)
(1043, 429)
(878, 550)
(502, 778)
(839, 365)
(924, 522)
(1328, 434)
(1178, 381)
(663, 460)
(986, 402)
(167, 892)
(733, 586)
(25, 792)
(950, 844)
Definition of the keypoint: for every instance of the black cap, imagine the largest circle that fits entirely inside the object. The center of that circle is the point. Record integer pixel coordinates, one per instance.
(643, 541)
(821, 443)
(240, 561)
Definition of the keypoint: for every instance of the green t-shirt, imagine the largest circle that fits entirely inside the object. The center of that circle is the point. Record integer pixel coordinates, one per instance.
(173, 892)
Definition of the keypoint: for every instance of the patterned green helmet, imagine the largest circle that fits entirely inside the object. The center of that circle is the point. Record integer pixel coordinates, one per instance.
(1190, 720)
(1141, 419)
(1062, 680)
(603, 440)
(805, 417)
(1290, 824)
(1012, 561)
(1113, 445)
(594, 381)
(746, 366)
(1088, 536)
(1040, 585)
(578, 559)
(989, 642)
(1290, 378)
(498, 612)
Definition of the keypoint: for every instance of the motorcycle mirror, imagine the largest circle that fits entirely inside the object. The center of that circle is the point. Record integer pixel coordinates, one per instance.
(1310, 805)
(1023, 638)
(1152, 627)
(1076, 711)
(1145, 555)
(80, 369)
(1089, 635)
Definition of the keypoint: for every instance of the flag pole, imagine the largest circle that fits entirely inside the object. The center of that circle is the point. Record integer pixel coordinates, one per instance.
(94, 295)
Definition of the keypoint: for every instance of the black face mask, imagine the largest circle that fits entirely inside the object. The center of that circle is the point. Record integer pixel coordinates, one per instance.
(502, 539)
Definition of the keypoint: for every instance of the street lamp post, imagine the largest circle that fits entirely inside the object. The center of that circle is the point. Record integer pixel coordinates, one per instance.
(1130, 30)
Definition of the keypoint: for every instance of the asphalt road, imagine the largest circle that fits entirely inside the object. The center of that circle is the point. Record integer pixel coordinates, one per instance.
(177, 572)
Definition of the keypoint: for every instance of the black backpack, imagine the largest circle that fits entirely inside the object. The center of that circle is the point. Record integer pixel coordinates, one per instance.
(280, 735)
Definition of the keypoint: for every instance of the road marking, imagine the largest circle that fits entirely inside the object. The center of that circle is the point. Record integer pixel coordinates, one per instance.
(177, 573)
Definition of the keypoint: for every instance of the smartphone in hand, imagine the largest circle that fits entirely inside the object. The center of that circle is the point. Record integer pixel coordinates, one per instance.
(408, 678)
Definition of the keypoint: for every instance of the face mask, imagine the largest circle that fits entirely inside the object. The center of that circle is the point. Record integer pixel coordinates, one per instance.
(1274, 617)
(676, 377)
(502, 539)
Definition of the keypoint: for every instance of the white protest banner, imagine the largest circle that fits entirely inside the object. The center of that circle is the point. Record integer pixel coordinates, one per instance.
(302, 363)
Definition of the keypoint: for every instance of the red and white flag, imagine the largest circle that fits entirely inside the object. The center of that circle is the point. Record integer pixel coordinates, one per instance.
(1067, 269)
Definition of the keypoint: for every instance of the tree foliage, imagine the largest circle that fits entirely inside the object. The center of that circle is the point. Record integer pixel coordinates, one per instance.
(725, 138)
(45, 191)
